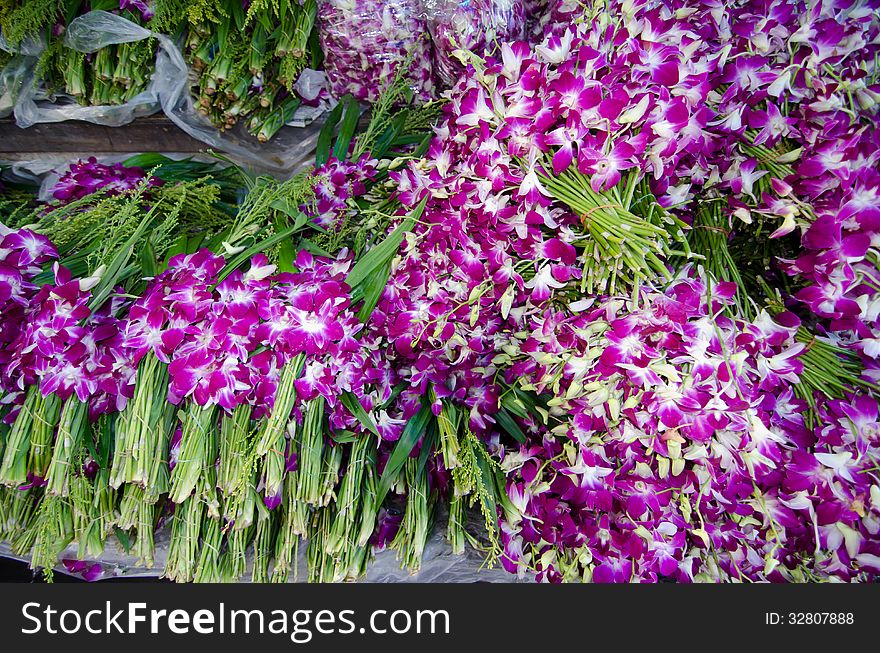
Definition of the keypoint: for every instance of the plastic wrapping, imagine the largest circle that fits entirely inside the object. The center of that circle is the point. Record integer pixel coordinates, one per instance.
(88, 33)
(284, 155)
(169, 91)
(439, 564)
(365, 41)
(14, 73)
(475, 26)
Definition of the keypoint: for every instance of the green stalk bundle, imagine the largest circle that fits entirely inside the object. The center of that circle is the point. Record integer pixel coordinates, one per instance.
(417, 517)
(628, 236)
(208, 570)
(294, 523)
(183, 548)
(248, 63)
(310, 443)
(274, 427)
(455, 526)
(198, 450)
(53, 532)
(113, 75)
(72, 427)
(710, 240)
(271, 441)
(29, 443)
(20, 511)
(266, 530)
(369, 502)
(343, 531)
(233, 563)
(141, 430)
(234, 432)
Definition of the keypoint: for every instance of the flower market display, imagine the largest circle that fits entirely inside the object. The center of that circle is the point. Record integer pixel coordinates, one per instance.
(605, 310)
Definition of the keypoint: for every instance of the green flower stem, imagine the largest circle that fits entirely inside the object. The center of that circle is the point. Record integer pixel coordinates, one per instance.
(285, 399)
(264, 544)
(369, 502)
(329, 474)
(71, 430)
(13, 470)
(348, 501)
(208, 570)
(198, 450)
(234, 454)
(414, 530)
(141, 427)
(448, 426)
(309, 454)
(183, 548)
(455, 526)
(53, 532)
(233, 563)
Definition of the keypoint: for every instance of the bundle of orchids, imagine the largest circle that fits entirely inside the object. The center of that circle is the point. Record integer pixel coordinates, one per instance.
(615, 317)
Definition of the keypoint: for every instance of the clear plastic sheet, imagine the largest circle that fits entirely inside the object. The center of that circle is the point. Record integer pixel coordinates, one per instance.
(474, 26)
(169, 90)
(365, 41)
(439, 564)
(88, 33)
(13, 75)
(284, 155)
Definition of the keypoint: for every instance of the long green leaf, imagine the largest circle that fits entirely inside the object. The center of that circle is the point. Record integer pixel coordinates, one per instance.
(325, 138)
(350, 401)
(384, 251)
(347, 128)
(506, 421)
(413, 430)
(263, 245)
(371, 291)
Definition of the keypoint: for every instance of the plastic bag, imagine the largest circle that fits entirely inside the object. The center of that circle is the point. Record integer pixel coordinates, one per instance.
(364, 42)
(476, 26)
(88, 33)
(285, 154)
(13, 75)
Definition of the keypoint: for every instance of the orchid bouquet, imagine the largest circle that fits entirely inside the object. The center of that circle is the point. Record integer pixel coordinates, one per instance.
(619, 304)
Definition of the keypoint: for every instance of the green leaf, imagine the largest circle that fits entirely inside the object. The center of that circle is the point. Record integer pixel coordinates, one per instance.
(347, 128)
(506, 421)
(350, 401)
(179, 247)
(263, 245)
(371, 291)
(389, 136)
(322, 149)
(122, 536)
(287, 254)
(413, 430)
(427, 447)
(382, 253)
(344, 437)
(315, 249)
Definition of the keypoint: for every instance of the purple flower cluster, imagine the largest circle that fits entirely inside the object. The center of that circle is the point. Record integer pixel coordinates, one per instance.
(142, 7)
(226, 345)
(85, 177)
(674, 438)
(475, 26)
(365, 41)
(23, 254)
(685, 453)
(337, 182)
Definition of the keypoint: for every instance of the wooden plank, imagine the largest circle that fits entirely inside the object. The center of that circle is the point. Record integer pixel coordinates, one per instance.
(293, 147)
(150, 134)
